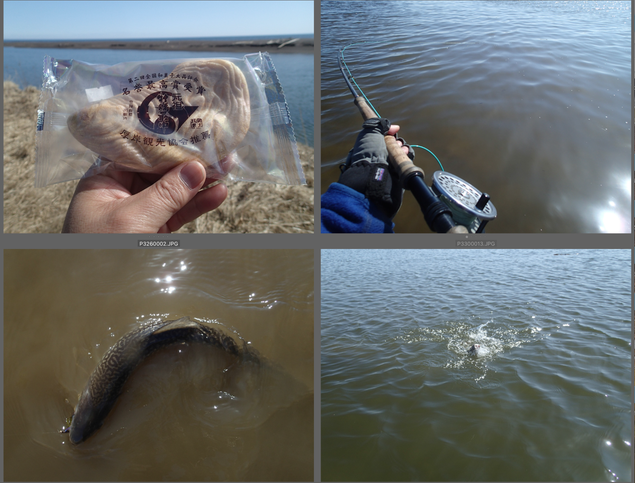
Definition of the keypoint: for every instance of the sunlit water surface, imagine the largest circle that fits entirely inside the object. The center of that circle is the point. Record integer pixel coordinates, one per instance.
(187, 413)
(547, 398)
(527, 101)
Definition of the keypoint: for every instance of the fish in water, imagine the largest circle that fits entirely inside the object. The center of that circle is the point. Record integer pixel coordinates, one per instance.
(474, 349)
(107, 380)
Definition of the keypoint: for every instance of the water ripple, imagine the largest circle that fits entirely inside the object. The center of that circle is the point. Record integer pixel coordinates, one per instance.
(553, 377)
(536, 113)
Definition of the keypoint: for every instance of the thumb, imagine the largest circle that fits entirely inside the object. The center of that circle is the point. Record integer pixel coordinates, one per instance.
(160, 201)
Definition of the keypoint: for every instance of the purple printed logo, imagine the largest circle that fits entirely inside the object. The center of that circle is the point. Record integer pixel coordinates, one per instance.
(379, 175)
(169, 110)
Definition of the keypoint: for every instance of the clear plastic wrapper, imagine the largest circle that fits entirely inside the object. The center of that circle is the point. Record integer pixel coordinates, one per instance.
(150, 116)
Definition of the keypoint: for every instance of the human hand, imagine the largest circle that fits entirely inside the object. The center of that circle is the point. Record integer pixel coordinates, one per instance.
(368, 171)
(393, 132)
(126, 202)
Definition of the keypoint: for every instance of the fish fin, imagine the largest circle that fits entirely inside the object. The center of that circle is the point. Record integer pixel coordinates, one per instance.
(181, 323)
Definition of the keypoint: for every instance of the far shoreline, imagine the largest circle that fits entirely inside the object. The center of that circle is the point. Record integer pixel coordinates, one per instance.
(282, 45)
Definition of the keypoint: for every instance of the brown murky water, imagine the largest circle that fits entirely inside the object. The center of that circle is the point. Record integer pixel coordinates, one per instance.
(174, 421)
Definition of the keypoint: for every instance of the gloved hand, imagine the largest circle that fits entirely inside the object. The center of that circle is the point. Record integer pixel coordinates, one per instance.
(368, 171)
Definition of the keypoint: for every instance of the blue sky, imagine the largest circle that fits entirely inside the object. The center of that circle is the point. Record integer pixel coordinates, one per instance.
(76, 20)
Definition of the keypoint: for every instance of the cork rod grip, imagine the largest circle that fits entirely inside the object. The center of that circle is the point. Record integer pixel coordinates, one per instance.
(407, 170)
(400, 162)
(364, 108)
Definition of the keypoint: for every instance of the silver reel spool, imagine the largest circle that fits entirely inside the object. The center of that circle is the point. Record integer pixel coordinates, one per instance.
(469, 206)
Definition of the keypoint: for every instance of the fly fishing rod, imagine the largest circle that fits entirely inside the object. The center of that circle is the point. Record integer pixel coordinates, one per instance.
(452, 205)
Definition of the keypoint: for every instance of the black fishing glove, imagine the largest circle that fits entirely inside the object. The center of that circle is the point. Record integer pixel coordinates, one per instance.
(367, 169)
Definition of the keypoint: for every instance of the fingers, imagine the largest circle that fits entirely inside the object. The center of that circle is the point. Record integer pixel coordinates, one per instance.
(403, 148)
(393, 129)
(125, 203)
(204, 201)
(157, 204)
(193, 176)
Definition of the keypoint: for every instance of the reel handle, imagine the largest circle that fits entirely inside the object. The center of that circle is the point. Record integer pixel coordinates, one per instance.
(405, 168)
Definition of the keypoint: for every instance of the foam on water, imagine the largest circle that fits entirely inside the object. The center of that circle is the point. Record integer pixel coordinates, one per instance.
(495, 338)
(397, 381)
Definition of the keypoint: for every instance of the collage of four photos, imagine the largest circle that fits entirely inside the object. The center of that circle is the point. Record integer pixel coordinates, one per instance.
(450, 297)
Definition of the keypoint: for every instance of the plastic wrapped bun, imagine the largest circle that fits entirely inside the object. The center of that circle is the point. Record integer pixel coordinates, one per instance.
(231, 114)
(201, 109)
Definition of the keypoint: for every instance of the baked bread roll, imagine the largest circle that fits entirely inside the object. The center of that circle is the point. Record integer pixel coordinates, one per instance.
(200, 110)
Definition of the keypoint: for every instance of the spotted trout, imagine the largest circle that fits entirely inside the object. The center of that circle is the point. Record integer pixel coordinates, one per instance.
(106, 382)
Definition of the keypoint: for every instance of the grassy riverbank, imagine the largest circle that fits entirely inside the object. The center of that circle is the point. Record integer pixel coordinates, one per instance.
(249, 208)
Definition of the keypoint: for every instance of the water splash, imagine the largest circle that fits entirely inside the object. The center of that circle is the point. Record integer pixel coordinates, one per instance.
(494, 337)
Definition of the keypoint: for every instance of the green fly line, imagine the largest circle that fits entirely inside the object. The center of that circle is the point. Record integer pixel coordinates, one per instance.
(352, 78)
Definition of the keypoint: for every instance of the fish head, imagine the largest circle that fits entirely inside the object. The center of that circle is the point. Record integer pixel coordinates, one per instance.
(474, 349)
(88, 417)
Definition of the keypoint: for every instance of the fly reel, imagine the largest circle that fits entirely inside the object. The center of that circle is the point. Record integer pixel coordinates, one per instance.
(469, 206)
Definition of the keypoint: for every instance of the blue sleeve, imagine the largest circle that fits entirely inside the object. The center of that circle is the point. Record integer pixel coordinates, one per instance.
(345, 210)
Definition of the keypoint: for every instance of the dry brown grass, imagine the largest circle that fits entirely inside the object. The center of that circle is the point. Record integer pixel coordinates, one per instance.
(249, 208)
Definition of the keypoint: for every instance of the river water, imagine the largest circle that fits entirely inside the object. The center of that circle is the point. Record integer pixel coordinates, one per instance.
(174, 420)
(527, 101)
(547, 398)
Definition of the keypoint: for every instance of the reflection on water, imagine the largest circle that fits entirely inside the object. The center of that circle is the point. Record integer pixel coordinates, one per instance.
(187, 412)
(547, 398)
(527, 102)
